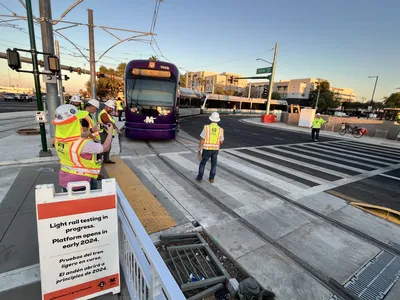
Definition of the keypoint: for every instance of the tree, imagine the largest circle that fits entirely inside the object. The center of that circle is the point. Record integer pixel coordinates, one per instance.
(154, 58)
(276, 96)
(392, 101)
(327, 98)
(107, 87)
(182, 80)
(255, 93)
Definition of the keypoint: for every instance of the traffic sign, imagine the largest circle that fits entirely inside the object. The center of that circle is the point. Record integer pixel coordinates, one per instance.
(264, 70)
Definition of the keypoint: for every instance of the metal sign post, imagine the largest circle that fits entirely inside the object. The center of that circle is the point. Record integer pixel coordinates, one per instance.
(271, 81)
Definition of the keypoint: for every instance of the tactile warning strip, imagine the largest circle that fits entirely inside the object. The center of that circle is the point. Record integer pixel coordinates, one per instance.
(150, 212)
(375, 279)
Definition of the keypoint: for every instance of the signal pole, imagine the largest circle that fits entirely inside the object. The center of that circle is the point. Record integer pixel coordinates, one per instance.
(48, 47)
(271, 81)
(92, 54)
(60, 86)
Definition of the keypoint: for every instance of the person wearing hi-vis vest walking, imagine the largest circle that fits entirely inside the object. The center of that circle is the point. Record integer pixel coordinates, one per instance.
(120, 108)
(106, 118)
(77, 154)
(212, 137)
(316, 127)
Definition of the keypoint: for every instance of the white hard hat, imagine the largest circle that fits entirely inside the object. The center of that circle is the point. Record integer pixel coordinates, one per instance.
(76, 98)
(94, 103)
(110, 103)
(64, 112)
(215, 117)
(318, 114)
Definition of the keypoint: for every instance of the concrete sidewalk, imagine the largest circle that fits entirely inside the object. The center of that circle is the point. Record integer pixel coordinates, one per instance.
(283, 126)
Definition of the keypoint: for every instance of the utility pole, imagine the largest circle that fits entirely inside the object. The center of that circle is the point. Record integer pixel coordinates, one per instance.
(248, 96)
(48, 47)
(39, 102)
(92, 54)
(186, 78)
(319, 90)
(271, 81)
(60, 86)
(373, 93)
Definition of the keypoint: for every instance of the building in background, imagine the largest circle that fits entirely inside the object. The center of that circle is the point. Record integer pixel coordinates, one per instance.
(205, 81)
(297, 91)
(16, 90)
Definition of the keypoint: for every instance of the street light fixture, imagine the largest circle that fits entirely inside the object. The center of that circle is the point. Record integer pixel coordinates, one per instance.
(373, 93)
(265, 61)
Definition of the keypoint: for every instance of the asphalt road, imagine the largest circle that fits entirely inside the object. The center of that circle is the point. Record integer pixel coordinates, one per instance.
(336, 155)
(12, 106)
(238, 134)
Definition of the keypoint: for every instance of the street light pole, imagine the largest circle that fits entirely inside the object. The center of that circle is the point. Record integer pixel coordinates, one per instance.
(319, 90)
(92, 55)
(373, 93)
(271, 80)
(39, 102)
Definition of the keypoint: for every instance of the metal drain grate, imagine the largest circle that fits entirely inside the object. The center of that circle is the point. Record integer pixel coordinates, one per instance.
(334, 297)
(395, 245)
(375, 279)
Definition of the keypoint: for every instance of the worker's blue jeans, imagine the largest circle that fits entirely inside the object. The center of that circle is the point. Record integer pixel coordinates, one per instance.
(205, 156)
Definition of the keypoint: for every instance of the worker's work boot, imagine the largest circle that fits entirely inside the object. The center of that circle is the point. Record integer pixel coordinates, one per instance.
(211, 180)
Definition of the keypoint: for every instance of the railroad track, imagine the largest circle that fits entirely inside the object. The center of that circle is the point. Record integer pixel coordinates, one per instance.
(330, 283)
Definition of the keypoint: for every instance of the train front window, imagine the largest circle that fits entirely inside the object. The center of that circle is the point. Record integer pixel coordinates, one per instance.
(150, 92)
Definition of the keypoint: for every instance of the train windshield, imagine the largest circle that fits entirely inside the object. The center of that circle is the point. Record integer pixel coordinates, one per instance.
(150, 92)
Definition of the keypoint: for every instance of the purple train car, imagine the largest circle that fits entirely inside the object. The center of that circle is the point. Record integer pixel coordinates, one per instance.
(151, 100)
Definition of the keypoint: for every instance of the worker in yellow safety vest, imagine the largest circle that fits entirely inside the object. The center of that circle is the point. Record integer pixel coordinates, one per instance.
(397, 119)
(78, 157)
(106, 118)
(120, 108)
(212, 137)
(316, 127)
(77, 102)
(88, 123)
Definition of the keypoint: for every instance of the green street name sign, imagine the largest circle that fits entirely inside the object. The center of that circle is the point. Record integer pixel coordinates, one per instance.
(264, 70)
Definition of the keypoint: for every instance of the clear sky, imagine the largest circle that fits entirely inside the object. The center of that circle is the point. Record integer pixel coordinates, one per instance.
(342, 41)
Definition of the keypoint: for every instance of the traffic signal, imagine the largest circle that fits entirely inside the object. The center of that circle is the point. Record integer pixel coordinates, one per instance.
(71, 69)
(99, 75)
(230, 79)
(14, 61)
(266, 91)
(79, 70)
(66, 77)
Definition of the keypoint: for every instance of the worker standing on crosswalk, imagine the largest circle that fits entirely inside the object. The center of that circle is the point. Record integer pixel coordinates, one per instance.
(212, 137)
(316, 127)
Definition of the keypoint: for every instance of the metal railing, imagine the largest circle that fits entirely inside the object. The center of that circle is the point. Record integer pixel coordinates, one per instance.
(146, 275)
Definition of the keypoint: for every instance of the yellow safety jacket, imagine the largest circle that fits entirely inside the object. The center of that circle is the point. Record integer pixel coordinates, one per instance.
(91, 125)
(109, 116)
(213, 137)
(119, 105)
(72, 162)
(69, 130)
(317, 123)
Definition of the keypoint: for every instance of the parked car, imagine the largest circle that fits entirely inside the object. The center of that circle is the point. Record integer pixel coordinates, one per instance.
(25, 97)
(10, 97)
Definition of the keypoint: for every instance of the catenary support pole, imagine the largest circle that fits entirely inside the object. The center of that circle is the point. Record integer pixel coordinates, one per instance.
(271, 81)
(92, 55)
(52, 99)
(60, 86)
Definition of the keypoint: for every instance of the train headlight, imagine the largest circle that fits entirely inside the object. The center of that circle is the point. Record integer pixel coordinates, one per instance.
(133, 110)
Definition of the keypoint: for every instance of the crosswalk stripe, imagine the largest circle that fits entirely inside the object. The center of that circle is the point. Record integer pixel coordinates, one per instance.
(322, 152)
(249, 200)
(294, 161)
(280, 167)
(389, 176)
(353, 170)
(287, 186)
(370, 146)
(355, 149)
(361, 155)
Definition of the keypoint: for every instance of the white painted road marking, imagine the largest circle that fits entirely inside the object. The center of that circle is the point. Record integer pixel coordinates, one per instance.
(389, 176)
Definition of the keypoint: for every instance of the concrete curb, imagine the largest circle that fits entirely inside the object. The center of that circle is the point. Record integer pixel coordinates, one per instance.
(19, 277)
(28, 161)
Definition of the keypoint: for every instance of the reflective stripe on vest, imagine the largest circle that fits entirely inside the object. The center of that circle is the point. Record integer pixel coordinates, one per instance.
(91, 125)
(72, 162)
(109, 116)
(213, 137)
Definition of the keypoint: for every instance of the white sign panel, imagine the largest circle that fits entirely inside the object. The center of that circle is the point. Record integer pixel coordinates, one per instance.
(41, 117)
(306, 117)
(78, 242)
(49, 78)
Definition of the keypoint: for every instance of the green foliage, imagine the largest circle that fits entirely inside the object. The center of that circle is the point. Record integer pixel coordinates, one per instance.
(327, 98)
(182, 80)
(276, 96)
(392, 101)
(107, 87)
